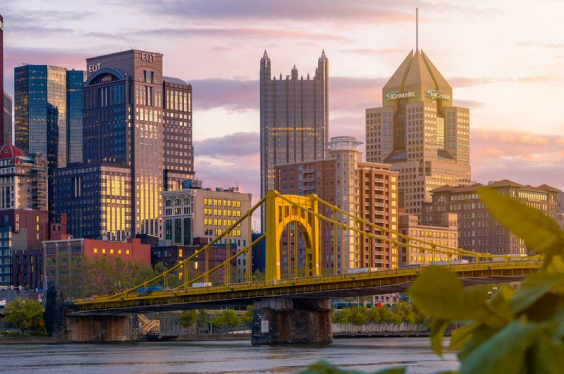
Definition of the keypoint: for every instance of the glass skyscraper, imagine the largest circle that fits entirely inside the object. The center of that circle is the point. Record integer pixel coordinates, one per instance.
(48, 114)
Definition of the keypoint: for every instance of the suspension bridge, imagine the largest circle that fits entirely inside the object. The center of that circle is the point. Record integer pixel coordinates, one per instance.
(301, 280)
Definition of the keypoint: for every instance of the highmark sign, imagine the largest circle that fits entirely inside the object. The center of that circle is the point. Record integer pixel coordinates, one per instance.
(437, 94)
(395, 95)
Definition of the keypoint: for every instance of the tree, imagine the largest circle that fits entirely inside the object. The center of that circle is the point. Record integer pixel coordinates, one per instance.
(188, 318)
(247, 318)
(24, 314)
(359, 316)
(202, 319)
(227, 318)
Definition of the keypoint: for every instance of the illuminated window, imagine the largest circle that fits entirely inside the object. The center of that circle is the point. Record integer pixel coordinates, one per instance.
(127, 252)
(180, 253)
(119, 251)
(95, 250)
(111, 251)
(103, 250)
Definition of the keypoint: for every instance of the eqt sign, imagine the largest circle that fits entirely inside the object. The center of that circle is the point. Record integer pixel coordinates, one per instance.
(149, 57)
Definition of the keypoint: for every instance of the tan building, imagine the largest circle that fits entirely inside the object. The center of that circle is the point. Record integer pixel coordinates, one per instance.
(419, 132)
(366, 190)
(445, 234)
(477, 229)
(195, 215)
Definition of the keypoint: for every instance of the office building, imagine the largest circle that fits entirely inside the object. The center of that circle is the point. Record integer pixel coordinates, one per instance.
(96, 199)
(61, 257)
(138, 128)
(28, 269)
(363, 189)
(294, 118)
(19, 230)
(477, 230)
(48, 115)
(445, 233)
(23, 179)
(419, 132)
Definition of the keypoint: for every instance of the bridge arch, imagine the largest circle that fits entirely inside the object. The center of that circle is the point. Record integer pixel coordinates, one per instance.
(282, 210)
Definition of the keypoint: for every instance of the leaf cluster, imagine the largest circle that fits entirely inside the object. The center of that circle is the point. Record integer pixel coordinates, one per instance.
(24, 314)
(400, 312)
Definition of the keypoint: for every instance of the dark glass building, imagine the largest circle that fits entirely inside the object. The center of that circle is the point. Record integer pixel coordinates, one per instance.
(7, 114)
(48, 114)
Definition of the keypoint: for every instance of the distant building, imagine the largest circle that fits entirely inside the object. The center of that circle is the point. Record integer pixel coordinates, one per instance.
(477, 230)
(294, 118)
(364, 189)
(62, 255)
(259, 250)
(195, 213)
(19, 230)
(5, 123)
(6, 115)
(420, 132)
(28, 269)
(444, 234)
(560, 210)
(23, 179)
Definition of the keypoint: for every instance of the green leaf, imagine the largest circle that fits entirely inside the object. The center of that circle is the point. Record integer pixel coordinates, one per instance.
(546, 356)
(504, 352)
(499, 308)
(461, 336)
(323, 367)
(533, 288)
(437, 329)
(440, 293)
(540, 233)
(480, 335)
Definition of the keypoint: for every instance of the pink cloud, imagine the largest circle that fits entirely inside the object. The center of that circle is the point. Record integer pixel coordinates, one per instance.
(521, 156)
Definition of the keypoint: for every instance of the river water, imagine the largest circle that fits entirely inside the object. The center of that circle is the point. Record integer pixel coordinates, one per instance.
(219, 357)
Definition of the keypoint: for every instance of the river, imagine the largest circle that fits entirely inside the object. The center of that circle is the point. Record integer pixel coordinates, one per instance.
(219, 357)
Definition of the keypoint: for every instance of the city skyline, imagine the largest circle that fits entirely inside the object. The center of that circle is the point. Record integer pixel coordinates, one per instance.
(507, 139)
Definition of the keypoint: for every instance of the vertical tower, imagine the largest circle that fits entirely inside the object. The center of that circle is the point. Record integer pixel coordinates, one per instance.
(419, 132)
(294, 117)
(2, 124)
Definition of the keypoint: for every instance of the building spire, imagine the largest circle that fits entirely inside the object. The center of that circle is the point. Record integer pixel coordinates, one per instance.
(416, 29)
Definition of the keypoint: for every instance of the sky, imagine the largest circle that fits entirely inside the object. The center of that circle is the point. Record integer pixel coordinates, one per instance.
(503, 59)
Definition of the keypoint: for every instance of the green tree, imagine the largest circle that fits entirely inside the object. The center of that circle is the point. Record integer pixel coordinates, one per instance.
(374, 315)
(227, 318)
(247, 318)
(188, 318)
(24, 314)
(202, 319)
(359, 316)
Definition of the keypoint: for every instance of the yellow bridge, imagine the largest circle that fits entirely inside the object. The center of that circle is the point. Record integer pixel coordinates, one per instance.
(295, 216)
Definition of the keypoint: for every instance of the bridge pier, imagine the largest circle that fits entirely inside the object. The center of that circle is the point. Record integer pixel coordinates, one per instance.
(287, 321)
(100, 329)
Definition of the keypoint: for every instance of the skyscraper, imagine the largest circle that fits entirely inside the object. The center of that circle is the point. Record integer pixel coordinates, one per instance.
(137, 142)
(294, 118)
(419, 132)
(2, 119)
(48, 114)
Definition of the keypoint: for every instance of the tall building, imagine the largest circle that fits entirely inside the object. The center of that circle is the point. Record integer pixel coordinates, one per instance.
(294, 118)
(419, 132)
(137, 142)
(3, 124)
(477, 230)
(23, 179)
(7, 114)
(48, 115)
(364, 189)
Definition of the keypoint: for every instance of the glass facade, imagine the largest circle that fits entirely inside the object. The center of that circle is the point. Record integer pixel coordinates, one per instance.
(75, 80)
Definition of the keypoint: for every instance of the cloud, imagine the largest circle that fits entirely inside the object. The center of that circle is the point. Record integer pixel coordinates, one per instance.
(524, 157)
(355, 93)
(373, 52)
(234, 33)
(468, 82)
(231, 94)
(237, 144)
(294, 10)
(471, 104)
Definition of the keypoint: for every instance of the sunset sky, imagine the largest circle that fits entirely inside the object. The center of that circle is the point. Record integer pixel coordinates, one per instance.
(504, 60)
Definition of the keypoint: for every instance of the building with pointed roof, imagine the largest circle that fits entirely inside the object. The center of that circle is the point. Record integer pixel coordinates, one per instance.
(294, 117)
(419, 132)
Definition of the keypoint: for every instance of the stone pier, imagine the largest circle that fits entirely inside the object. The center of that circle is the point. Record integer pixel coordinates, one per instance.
(100, 329)
(287, 321)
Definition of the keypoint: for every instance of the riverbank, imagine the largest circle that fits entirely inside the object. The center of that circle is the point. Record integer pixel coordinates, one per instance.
(29, 340)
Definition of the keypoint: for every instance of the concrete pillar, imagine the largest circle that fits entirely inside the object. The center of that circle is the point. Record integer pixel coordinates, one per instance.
(287, 321)
(101, 329)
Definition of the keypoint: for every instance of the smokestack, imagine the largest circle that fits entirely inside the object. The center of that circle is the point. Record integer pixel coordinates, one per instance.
(2, 124)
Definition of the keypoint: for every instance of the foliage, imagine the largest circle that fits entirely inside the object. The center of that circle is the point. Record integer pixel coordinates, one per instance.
(202, 319)
(102, 275)
(510, 332)
(400, 312)
(24, 314)
(248, 317)
(188, 318)
(227, 319)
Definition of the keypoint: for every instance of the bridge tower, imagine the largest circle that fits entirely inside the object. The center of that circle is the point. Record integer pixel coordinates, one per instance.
(284, 210)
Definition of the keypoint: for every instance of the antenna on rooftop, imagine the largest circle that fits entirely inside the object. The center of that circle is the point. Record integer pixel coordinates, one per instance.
(416, 29)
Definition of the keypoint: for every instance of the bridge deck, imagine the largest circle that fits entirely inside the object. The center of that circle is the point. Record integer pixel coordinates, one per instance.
(345, 285)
